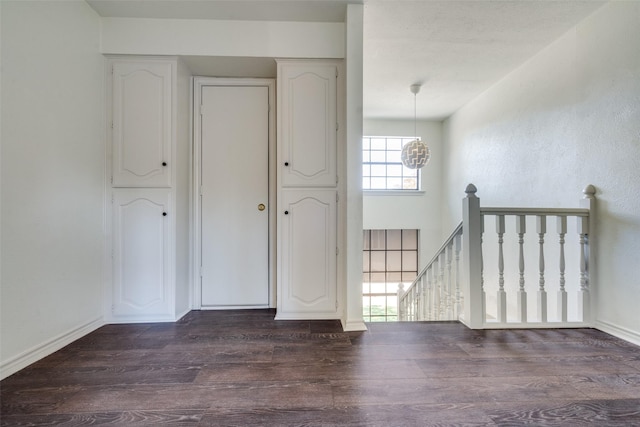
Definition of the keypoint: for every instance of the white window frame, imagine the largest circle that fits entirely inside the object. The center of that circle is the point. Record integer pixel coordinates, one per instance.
(374, 160)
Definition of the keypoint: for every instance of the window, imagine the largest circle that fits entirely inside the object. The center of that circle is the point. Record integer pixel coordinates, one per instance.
(382, 168)
(390, 257)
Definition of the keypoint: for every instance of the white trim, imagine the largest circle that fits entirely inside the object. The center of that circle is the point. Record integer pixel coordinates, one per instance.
(182, 314)
(394, 193)
(235, 307)
(307, 316)
(198, 84)
(142, 319)
(619, 332)
(40, 351)
(353, 326)
(536, 325)
(192, 197)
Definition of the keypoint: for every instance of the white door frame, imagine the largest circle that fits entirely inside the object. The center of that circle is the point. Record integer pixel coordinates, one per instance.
(198, 84)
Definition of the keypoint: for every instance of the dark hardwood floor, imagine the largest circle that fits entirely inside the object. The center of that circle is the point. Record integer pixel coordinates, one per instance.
(242, 368)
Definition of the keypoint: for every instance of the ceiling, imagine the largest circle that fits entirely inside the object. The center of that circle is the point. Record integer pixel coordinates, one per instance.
(455, 49)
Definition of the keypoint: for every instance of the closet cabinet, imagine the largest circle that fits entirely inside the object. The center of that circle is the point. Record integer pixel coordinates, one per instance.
(141, 242)
(148, 144)
(307, 189)
(142, 123)
(308, 265)
(308, 111)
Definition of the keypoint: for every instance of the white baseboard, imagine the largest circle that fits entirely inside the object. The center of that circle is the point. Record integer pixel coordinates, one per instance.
(305, 316)
(353, 325)
(182, 314)
(116, 320)
(136, 319)
(40, 351)
(619, 331)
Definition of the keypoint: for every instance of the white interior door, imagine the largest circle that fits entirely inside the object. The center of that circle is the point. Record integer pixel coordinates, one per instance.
(234, 202)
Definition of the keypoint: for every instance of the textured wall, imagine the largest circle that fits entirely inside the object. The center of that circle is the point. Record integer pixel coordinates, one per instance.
(568, 117)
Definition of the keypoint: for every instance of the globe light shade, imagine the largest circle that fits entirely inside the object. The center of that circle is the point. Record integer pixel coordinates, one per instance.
(415, 154)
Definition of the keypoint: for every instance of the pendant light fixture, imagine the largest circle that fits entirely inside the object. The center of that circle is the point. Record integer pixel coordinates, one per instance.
(415, 154)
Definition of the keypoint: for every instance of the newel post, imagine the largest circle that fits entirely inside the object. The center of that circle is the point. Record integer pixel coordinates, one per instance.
(586, 230)
(474, 307)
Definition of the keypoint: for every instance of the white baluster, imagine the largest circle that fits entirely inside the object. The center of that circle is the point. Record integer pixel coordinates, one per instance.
(449, 311)
(429, 301)
(502, 295)
(562, 293)
(401, 314)
(436, 289)
(407, 306)
(483, 294)
(583, 299)
(521, 228)
(425, 297)
(458, 247)
(441, 286)
(416, 305)
(541, 228)
(419, 302)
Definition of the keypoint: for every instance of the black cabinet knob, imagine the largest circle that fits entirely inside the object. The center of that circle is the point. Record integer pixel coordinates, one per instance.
(164, 214)
(286, 163)
(164, 163)
(286, 212)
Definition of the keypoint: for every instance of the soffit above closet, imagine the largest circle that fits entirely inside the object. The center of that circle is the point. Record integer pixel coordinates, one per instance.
(241, 10)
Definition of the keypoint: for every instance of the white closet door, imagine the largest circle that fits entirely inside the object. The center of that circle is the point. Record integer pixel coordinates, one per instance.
(235, 183)
(142, 124)
(308, 125)
(308, 255)
(141, 242)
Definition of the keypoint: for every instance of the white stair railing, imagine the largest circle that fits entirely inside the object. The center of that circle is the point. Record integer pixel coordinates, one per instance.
(435, 293)
(489, 286)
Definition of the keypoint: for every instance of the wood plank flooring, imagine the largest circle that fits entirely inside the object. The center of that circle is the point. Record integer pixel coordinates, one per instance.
(242, 368)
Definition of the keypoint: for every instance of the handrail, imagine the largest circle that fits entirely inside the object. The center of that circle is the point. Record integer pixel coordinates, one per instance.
(446, 243)
(535, 211)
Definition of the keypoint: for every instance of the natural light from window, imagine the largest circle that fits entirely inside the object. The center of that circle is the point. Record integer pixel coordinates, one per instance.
(390, 257)
(382, 168)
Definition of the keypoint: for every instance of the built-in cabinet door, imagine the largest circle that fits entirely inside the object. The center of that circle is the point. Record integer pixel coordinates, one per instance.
(142, 123)
(308, 254)
(141, 242)
(308, 124)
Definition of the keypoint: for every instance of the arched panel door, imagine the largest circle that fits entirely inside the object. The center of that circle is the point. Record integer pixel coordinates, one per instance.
(142, 124)
(308, 254)
(141, 241)
(308, 125)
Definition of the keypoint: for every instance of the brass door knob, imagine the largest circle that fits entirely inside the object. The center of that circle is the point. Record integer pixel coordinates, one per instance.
(261, 207)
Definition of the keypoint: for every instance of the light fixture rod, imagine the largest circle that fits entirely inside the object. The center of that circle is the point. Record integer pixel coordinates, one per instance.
(415, 89)
(415, 118)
